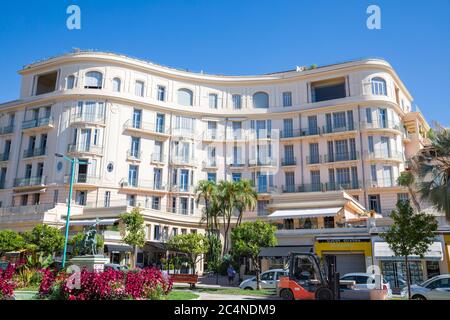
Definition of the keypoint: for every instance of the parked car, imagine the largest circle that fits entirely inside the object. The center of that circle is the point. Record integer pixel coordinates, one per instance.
(364, 281)
(269, 280)
(116, 267)
(436, 288)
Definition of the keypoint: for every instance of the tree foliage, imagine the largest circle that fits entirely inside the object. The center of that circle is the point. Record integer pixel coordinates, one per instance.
(134, 233)
(411, 233)
(248, 239)
(45, 239)
(10, 241)
(193, 245)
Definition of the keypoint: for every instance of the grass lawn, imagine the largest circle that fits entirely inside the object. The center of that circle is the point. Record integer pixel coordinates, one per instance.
(181, 295)
(232, 291)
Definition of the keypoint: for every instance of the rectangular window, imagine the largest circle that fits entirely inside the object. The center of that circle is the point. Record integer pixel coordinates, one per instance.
(133, 176)
(28, 169)
(213, 101)
(80, 198)
(374, 203)
(371, 144)
(373, 173)
(137, 118)
(353, 154)
(339, 121)
(289, 158)
(55, 196)
(161, 93)
(157, 178)
(237, 101)
(355, 182)
(341, 147)
(236, 177)
(331, 180)
(156, 203)
(287, 99)
(312, 125)
(24, 200)
(288, 128)
(36, 199)
(160, 123)
(387, 176)
(369, 115)
(350, 123)
(139, 88)
(315, 181)
(343, 177)
(314, 153)
(290, 181)
(328, 90)
(403, 197)
(262, 207)
(107, 201)
(157, 232)
(212, 176)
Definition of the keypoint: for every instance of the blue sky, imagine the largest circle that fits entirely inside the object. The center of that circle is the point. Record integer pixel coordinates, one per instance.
(239, 37)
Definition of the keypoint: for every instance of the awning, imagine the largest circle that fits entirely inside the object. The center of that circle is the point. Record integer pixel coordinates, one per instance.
(304, 213)
(118, 248)
(268, 252)
(382, 251)
(103, 222)
(158, 245)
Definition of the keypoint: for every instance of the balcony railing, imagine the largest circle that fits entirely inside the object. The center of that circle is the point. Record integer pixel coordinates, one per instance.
(336, 186)
(158, 158)
(303, 188)
(314, 160)
(83, 148)
(212, 134)
(87, 117)
(264, 189)
(34, 153)
(382, 183)
(83, 178)
(29, 182)
(183, 161)
(134, 155)
(384, 155)
(145, 126)
(7, 130)
(37, 123)
(237, 164)
(288, 162)
(382, 125)
(182, 188)
(4, 156)
(211, 163)
(145, 184)
(262, 162)
(295, 133)
(337, 157)
(333, 129)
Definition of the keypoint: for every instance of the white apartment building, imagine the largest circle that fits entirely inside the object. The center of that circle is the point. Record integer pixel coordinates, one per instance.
(147, 134)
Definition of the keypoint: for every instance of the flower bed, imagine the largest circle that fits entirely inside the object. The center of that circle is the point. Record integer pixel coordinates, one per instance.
(148, 284)
(7, 284)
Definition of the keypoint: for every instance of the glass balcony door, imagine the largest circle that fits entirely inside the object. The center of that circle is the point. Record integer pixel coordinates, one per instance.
(85, 139)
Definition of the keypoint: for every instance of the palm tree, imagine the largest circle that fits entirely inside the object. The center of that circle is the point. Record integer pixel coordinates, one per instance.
(433, 170)
(207, 191)
(407, 179)
(227, 200)
(247, 198)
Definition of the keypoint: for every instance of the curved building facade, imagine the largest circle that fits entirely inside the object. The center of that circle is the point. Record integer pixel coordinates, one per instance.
(147, 134)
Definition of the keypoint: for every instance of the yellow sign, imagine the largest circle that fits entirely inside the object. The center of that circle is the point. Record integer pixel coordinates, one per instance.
(365, 247)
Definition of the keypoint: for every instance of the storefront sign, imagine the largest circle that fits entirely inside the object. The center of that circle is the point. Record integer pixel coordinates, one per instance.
(382, 251)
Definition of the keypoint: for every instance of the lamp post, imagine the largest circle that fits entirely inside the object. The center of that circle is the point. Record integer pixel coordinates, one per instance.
(73, 162)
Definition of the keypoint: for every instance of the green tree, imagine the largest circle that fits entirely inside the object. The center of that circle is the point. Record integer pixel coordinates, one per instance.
(432, 167)
(410, 234)
(246, 198)
(134, 231)
(44, 239)
(193, 245)
(406, 179)
(248, 239)
(207, 191)
(227, 198)
(77, 239)
(10, 241)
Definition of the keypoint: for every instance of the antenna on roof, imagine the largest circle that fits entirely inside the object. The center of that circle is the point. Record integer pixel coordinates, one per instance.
(299, 69)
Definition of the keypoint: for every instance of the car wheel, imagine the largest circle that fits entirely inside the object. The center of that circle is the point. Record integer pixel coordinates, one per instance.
(248, 288)
(286, 294)
(418, 297)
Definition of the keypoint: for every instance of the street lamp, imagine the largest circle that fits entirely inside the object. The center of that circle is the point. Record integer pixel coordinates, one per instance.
(73, 162)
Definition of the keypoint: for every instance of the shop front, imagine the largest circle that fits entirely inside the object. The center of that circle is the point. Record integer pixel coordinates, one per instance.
(353, 254)
(393, 268)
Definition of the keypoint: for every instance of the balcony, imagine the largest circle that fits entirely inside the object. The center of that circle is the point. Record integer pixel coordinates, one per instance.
(384, 155)
(183, 161)
(146, 128)
(30, 182)
(288, 162)
(382, 183)
(144, 185)
(336, 186)
(297, 133)
(339, 157)
(134, 155)
(212, 135)
(262, 162)
(343, 129)
(237, 164)
(182, 188)
(313, 160)
(86, 118)
(85, 149)
(265, 189)
(39, 152)
(83, 179)
(298, 188)
(158, 158)
(181, 211)
(210, 164)
(382, 125)
(4, 156)
(38, 124)
(6, 130)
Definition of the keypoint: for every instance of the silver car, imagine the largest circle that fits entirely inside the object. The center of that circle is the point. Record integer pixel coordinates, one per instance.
(269, 280)
(436, 288)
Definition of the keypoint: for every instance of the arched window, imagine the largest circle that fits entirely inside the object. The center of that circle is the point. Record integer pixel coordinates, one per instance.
(379, 87)
(260, 100)
(70, 82)
(94, 80)
(185, 97)
(117, 84)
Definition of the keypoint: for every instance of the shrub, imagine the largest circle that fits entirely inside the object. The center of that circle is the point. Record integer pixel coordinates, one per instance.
(109, 285)
(7, 284)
